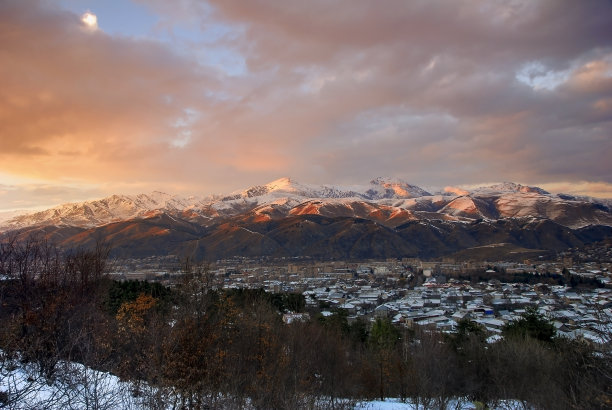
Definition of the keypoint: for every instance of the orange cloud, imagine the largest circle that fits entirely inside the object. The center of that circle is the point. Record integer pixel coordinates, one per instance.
(83, 103)
(344, 90)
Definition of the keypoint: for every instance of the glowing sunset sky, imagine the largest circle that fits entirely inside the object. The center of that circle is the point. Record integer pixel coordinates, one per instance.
(192, 96)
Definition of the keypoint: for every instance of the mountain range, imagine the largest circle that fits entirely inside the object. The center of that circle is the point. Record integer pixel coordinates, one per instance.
(385, 218)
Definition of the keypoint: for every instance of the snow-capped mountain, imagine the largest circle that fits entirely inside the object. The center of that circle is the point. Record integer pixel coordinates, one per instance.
(8, 215)
(379, 219)
(103, 211)
(384, 200)
(508, 187)
(379, 188)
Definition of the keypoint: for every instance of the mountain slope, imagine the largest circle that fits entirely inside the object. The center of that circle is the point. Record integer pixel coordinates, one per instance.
(387, 201)
(322, 237)
(385, 218)
(103, 211)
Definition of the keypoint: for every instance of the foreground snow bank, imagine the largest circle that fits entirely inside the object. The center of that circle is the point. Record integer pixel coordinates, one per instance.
(396, 404)
(74, 387)
(78, 387)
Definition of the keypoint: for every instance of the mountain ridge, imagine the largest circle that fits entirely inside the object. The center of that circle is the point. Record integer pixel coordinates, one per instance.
(385, 218)
(289, 196)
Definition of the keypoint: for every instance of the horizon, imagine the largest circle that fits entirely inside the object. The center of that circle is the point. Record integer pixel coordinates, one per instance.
(434, 190)
(103, 97)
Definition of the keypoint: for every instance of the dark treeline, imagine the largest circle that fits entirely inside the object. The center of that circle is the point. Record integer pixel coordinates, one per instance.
(204, 348)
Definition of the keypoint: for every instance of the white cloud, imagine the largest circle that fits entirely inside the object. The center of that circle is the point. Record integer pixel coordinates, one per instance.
(537, 76)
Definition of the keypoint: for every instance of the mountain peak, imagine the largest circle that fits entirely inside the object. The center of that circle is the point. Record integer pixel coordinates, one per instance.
(280, 184)
(382, 196)
(453, 190)
(511, 187)
(388, 180)
(399, 188)
(277, 187)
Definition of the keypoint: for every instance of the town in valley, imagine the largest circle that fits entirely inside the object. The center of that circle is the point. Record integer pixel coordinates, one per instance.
(574, 291)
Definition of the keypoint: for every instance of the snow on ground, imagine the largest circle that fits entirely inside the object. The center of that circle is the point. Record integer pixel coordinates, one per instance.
(389, 404)
(79, 387)
(396, 404)
(76, 387)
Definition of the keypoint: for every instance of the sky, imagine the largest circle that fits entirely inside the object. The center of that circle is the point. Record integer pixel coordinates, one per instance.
(198, 97)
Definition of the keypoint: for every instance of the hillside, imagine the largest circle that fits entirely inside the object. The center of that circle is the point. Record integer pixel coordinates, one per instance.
(385, 218)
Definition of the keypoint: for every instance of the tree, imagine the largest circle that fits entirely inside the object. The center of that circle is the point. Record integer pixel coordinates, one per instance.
(49, 315)
(531, 324)
(469, 344)
(384, 337)
(467, 330)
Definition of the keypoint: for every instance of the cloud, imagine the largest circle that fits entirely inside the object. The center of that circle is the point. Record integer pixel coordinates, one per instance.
(593, 189)
(436, 92)
(454, 60)
(41, 196)
(84, 103)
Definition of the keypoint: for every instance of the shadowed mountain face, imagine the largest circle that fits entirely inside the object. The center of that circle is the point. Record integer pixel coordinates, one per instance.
(323, 237)
(387, 218)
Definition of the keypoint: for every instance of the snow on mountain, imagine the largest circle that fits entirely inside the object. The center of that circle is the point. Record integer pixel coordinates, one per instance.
(8, 215)
(569, 212)
(385, 200)
(463, 205)
(379, 188)
(451, 190)
(508, 187)
(286, 187)
(604, 203)
(102, 211)
(394, 188)
(290, 197)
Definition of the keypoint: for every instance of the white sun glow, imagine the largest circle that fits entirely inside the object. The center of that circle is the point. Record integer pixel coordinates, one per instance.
(90, 20)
